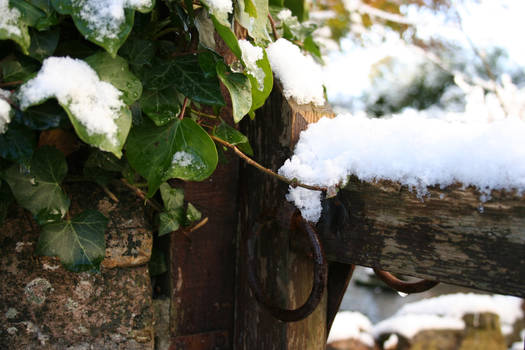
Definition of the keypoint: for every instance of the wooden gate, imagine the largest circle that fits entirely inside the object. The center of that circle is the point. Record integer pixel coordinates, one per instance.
(448, 237)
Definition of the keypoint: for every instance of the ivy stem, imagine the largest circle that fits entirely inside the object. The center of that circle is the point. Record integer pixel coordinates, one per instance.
(199, 225)
(202, 114)
(141, 195)
(11, 83)
(184, 104)
(274, 28)
(293, 183)
(110, 194)
(164, 32)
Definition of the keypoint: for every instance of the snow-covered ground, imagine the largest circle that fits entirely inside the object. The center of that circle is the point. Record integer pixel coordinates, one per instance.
(444, 312)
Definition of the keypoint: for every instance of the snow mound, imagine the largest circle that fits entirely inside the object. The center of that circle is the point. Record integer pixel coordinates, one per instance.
(413, 149)
(95, 103)
(351, 325)
(301, 77)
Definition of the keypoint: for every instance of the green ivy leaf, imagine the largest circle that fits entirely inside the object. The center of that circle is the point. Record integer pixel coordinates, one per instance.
(38, 189)
(259, 96)
(298, 8)
(150, 149)
(234, 137)
(48, 115)
(240, 90)
(192, 214)
(208, 62)
(102, 141)
(115, 70)
(101, 167)
(170, 221)
(33, 14)
(138, 52)
(17, 68)
(223, 27)
(16, 31)
(205, 28)
(310, 46)
(17, 143)
(43, 44)
(195, 157)
(79, 242)
(173, 198)
(161, 106)
(43, 5)
(64, 7)
(253, 15)
(188, 77)
(112, 41)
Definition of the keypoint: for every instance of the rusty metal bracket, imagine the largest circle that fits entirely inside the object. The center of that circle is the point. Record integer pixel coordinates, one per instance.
(404, 287)
(320, 273)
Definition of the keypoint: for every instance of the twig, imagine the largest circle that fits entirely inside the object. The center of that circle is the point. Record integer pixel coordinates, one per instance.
(164, 32)
(199, 225)
(11, 83)
(181, 115)
(274, 29)
(110, 194)
(293, 182)
(141, 195)
(202, 114)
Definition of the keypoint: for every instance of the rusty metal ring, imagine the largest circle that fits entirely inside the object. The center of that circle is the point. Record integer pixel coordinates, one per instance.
(404, 287)
(320, 274)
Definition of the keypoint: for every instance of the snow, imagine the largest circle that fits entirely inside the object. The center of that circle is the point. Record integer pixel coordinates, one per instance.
(220, 6)
(409, 325)
(351, 325)
(105, 17)
(5, 110)
(95, 103)
(508, 308)
(301, 77)
(9, 18)
(284, 14)
(250, 55)
(182, 158)
(447, 311)
(391, 342)
(412, 148)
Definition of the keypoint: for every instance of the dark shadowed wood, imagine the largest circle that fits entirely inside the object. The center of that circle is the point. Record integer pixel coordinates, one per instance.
(449, 236)
(286, 275)
(203, 262)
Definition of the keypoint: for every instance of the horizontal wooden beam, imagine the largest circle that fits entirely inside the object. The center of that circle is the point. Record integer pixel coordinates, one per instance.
(448, 236)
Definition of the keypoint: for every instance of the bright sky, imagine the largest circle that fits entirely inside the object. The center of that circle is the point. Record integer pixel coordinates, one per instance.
(487, 23)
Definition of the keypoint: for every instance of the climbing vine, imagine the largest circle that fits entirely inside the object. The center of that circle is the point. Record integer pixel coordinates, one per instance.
(126, 91)
(130, 91)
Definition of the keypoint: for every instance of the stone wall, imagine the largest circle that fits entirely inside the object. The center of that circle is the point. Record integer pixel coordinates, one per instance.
(44, 306)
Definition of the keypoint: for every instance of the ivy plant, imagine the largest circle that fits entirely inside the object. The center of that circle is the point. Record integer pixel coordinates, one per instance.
(130, 95)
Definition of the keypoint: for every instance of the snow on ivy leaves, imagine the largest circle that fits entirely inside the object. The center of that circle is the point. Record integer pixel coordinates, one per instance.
(106, 23)
(92, 101)
(178, 149)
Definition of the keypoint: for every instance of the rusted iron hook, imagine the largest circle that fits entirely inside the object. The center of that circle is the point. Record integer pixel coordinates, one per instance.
(404, 287)
(319, 280)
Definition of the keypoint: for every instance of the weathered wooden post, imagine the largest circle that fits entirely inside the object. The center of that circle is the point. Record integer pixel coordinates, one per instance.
(286, 274)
